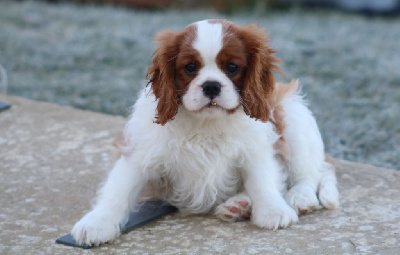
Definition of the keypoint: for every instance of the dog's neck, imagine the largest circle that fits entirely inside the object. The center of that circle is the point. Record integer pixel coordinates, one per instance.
(190, 122)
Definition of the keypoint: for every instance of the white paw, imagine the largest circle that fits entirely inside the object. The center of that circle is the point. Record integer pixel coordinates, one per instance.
(274, 216)
(235, 208)
(328, 195)
(96, 227)
(302, 199)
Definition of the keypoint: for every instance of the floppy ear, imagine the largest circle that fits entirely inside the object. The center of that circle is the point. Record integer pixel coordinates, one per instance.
(161, 75)
(259, 81)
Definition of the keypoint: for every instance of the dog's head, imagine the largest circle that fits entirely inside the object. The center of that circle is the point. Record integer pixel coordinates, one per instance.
(212, 68)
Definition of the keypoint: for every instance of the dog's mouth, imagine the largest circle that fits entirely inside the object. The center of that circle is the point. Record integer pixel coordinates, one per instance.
(213, 105)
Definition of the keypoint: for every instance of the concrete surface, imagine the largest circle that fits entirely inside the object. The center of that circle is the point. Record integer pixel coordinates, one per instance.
(52, 159)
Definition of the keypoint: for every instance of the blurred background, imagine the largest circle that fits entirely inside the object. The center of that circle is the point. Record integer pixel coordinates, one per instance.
(94, 55)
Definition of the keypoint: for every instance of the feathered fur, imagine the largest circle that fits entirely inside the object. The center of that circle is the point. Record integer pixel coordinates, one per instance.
(214, 131)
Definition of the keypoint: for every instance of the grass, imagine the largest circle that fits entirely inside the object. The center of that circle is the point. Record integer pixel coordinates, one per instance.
(96, 57)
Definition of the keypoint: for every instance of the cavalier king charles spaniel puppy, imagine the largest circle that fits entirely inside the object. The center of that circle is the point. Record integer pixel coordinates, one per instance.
(214, 131)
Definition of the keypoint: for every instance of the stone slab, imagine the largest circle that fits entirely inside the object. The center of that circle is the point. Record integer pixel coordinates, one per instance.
(52, 159)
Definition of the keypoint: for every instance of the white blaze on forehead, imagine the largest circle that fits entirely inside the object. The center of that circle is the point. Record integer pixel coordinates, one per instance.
(208, 40)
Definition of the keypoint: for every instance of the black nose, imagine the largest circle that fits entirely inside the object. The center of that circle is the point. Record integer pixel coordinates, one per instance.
(211, 89)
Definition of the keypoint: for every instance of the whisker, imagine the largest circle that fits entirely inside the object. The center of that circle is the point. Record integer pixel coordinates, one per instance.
(179, 55)
(170, 101)
(173, 58)
(245, 106)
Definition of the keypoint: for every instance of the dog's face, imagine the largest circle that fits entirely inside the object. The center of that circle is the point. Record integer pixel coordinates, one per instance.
(211, 68)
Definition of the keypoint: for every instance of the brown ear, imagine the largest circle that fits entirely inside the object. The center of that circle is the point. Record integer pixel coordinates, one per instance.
(259, 82)
(161, 75)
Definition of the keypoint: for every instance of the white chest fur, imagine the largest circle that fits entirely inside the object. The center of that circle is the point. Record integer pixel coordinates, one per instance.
(203, 169)
(199, 160)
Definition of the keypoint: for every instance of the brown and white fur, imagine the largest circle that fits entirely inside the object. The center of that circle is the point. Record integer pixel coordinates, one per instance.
(213, 131)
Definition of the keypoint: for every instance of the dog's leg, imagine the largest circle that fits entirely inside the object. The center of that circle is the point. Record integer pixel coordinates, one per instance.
(307, 165)
(263, 181)
(235, 208)
(328, 194)
(116, 198)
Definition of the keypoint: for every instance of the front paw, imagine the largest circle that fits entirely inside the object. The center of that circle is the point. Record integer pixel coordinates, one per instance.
(273, 217)
(96, 227)
(303, 199)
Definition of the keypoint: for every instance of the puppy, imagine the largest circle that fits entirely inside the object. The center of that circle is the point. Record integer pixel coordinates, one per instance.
(213, 131)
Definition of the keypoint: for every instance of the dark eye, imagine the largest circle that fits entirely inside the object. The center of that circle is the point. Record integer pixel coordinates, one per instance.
(191, 69)
(231, 69)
